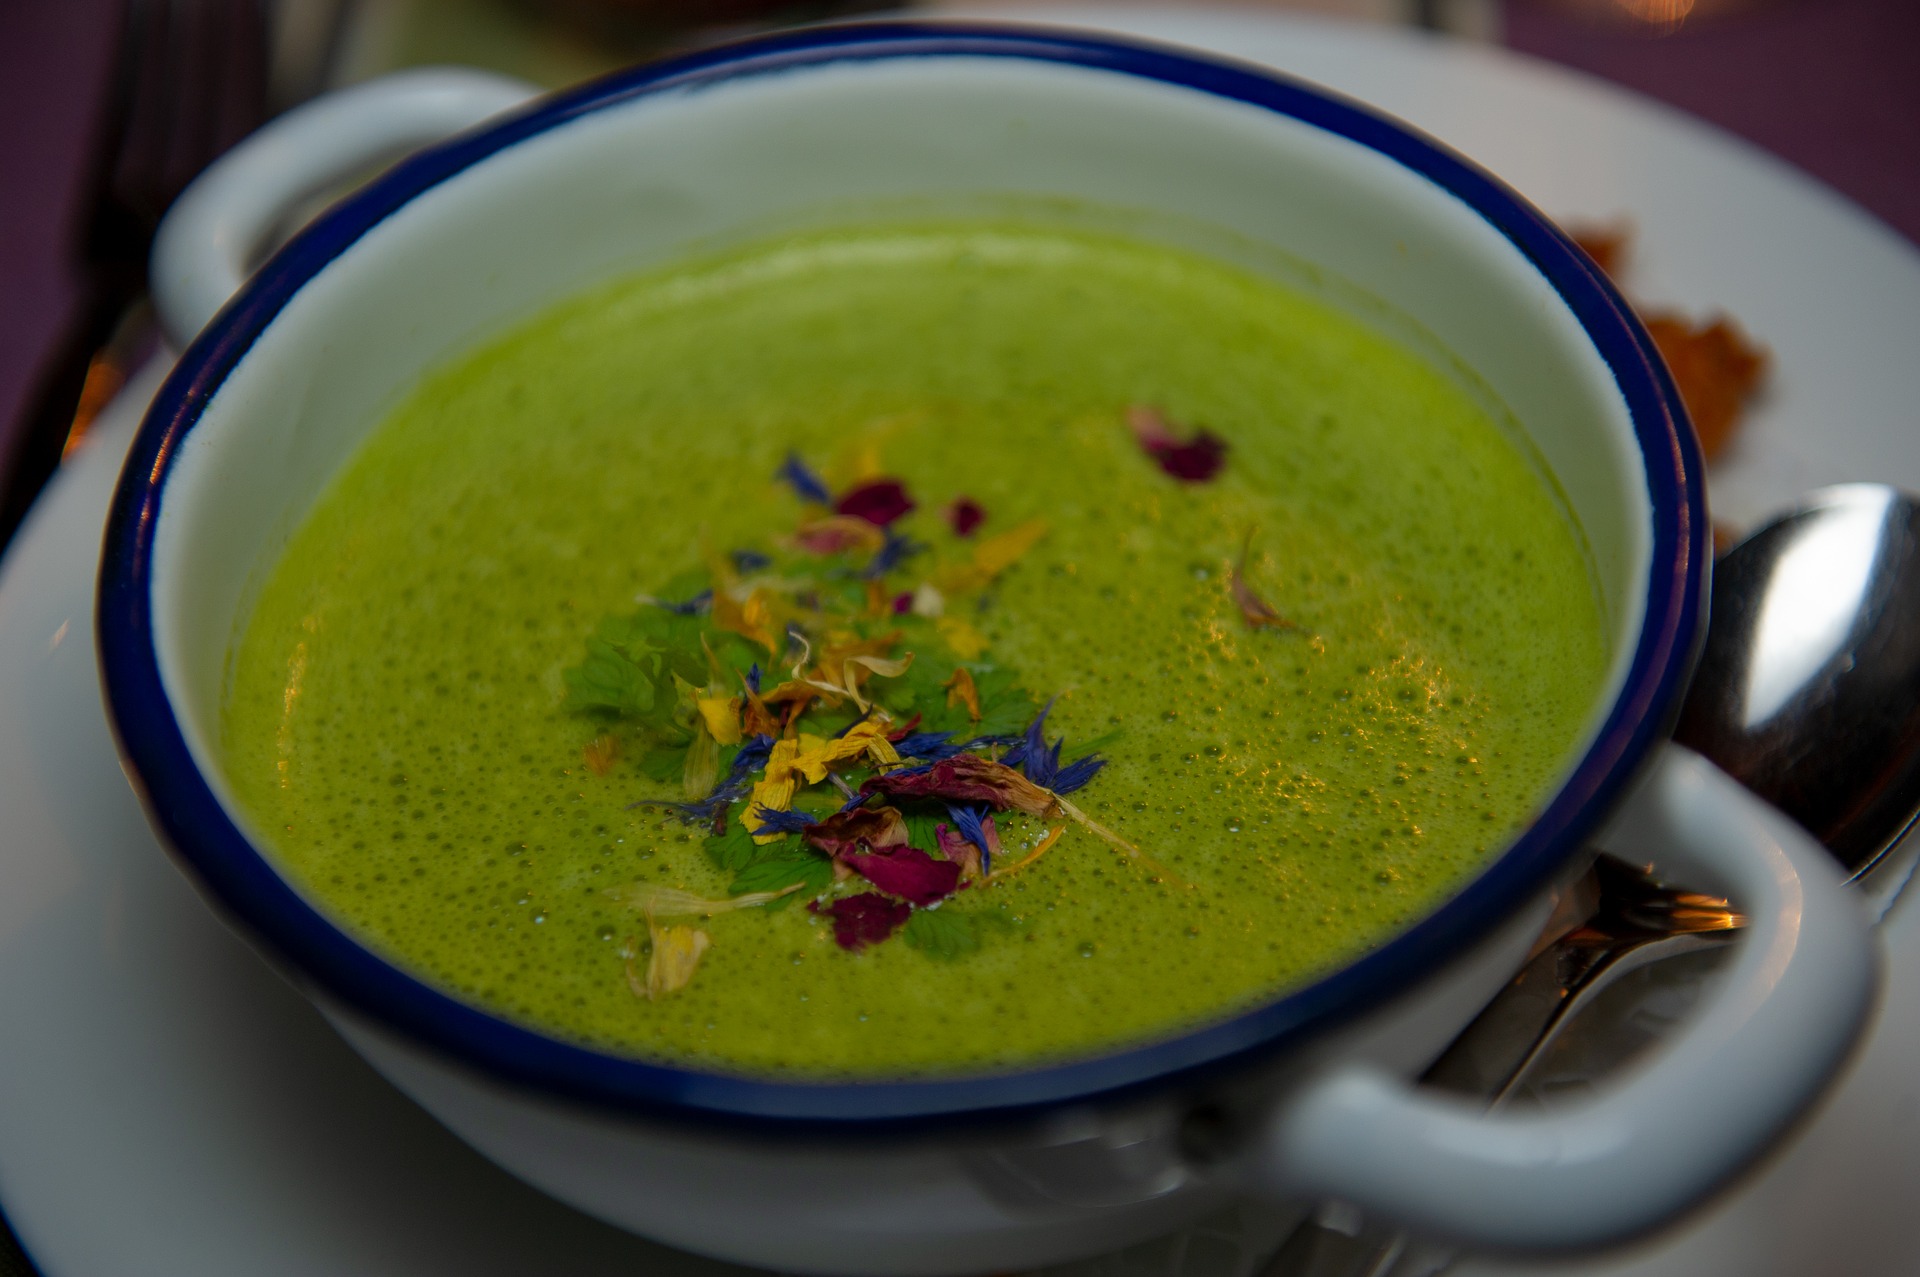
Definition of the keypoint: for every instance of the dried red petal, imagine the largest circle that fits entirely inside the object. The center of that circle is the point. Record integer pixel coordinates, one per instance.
(907, 872)
(905, 730)
(968, 778)
(959, 849)
(865, 919)
(965, 514)
(879, 502)
(844, 831)
(1194, 461)
(902, 603)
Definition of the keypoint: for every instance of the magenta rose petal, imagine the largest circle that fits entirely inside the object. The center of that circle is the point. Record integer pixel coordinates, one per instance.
(907, 872)
(964, 515)
(879, 502)
(1195, 461)
(865, 919)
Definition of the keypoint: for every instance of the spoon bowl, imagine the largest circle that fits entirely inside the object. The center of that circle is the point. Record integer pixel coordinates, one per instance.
(1808, 690)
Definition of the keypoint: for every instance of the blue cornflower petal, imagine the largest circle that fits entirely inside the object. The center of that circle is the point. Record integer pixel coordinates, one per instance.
(781, 822)
(967, 819)
(750, 560)
(1039, 761)
(730, 789)
(922, 745)
(694, 813)
(890, 554)
(753, 678)
(753, 755)
(854, 801)
(978, 742)
(1076, 774)
(804, 481)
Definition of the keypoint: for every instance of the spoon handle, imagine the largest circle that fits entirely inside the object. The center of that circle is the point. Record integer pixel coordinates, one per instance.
(1583, 952)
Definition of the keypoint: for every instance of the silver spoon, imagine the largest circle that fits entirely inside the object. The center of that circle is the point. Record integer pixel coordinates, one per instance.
(1808, 689)
(1808, 693)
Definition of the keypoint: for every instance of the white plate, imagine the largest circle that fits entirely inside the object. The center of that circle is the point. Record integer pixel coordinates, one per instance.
(169, 1105)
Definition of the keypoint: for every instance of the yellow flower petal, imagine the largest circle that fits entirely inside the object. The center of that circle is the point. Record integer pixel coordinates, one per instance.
(676, 952)
(701, 768)
(991, 557)
(966, 642)
(961, 690)
(774, 789)
(722, 717)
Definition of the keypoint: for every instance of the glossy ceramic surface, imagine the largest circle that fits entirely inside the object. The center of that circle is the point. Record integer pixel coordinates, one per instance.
(260, 411)
(170, 1107)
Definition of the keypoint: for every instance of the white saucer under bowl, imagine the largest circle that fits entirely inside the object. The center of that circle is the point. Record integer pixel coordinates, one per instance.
(169, 1106)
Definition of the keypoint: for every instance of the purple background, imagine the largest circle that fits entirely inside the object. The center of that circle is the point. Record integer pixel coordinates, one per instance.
(1830, 85)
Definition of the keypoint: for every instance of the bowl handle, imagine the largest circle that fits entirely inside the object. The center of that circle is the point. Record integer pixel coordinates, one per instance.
(210, 239)
(1769, 1035)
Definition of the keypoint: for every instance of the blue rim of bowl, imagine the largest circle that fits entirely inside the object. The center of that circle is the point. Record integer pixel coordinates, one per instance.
(223, 859)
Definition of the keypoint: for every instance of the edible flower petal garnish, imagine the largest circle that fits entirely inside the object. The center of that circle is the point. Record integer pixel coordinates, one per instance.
(865, 919)
(964, 515)
(893, 551)
(804, 481)
(1032, 754)
(1195, 460)
(968, 778)
(990, 558)
(721, 717)
(751, 618)
(907, 872)
(879, 502)
(832, 718)
(1258, 612)
(966, 642)
(1077, 774)
(961, 690)
(976, 826)
(921, 744)
(600, 753)
(769, 821)
(774, 790)
(846, 831)
(676, 952)
(957, 848)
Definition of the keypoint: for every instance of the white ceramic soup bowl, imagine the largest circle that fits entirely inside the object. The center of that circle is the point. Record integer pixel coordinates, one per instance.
(291, 368)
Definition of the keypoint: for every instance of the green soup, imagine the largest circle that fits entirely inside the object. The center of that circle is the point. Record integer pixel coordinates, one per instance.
(412, 715)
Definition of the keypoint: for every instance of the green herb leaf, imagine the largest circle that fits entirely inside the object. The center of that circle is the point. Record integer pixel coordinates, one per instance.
(789, 863)
(920, 823)
(1005, 707)
(734, 850)
(665, 764)
(945, 935)
(613, 679)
